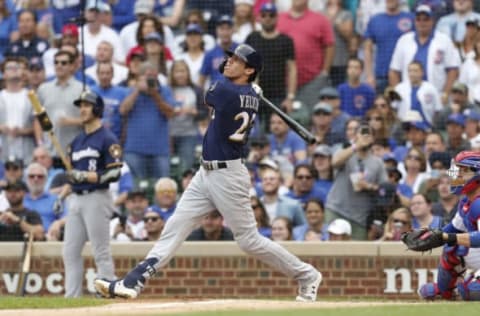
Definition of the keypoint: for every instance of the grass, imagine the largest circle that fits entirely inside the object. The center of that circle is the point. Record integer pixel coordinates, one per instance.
(13, 302)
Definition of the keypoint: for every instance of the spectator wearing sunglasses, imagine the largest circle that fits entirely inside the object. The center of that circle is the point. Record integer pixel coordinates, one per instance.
(153, 226)
(130, 226)
(398, 222)
(40, 200)
(415, 167)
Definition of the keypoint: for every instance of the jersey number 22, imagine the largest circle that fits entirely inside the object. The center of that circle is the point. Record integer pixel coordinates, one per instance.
(241, 134)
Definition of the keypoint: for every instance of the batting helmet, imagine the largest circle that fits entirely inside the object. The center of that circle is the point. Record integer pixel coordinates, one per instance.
(92, 98)
(458, 183)
(249, 56)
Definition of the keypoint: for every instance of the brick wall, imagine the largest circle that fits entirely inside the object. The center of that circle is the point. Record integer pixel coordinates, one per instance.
(221, 270)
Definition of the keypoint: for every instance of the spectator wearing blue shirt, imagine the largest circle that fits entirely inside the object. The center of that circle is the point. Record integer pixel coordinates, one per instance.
(38, 199)
(421, 208)
(166, 190)
(64, 11)
(331, 96)
(148, 108)
(383, 31)
(322, 163)
(303, 188)
(284, 143)
(43, 157)
(123, 14)
(112, 96)
(215, 57)
(356, 98)
(314, 212)
(8, 24)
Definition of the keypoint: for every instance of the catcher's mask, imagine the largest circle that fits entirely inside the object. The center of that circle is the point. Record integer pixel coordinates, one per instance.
(464, 172)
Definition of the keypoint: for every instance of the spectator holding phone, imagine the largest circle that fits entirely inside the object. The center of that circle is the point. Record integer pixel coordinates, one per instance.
(358, 174)
(148, 108)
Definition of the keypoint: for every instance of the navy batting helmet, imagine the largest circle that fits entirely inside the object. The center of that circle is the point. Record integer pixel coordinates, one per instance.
(92, 98)
(249, 56)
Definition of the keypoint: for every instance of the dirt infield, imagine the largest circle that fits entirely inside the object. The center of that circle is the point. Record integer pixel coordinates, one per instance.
(150, 307)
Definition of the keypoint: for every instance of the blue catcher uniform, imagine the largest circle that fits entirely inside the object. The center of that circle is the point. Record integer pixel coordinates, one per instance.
(90, 205)
(455, 260)
(221, 183)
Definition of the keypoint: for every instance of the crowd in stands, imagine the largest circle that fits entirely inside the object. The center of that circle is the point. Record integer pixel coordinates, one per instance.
(390, 89)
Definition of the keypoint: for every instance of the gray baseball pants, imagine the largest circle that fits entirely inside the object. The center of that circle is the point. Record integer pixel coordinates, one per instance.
(227, 191)
(88, 218)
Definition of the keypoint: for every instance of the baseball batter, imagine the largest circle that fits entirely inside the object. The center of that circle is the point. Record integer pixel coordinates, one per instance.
(95, 156)
(461, 234)
(222, 183)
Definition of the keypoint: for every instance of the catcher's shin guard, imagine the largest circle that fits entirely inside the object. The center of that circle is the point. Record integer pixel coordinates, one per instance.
(450, 268)
(470, 289)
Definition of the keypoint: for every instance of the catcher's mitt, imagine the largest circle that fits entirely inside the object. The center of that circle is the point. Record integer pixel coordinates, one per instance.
(423, 239)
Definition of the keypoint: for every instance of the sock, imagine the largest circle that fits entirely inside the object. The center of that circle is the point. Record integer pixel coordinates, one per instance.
(143, 271)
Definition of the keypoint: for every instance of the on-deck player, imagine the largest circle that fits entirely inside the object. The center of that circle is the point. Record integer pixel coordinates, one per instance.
(462, 234)
(221, 183)
(95, 156)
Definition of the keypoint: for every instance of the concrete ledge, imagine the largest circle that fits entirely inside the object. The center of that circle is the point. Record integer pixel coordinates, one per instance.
(226, 249)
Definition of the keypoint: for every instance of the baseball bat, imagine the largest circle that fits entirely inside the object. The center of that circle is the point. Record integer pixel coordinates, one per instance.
(47, 126)
(27, 259)
(294, 125)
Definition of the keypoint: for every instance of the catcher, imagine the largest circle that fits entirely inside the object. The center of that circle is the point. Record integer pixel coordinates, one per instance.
(461, 236)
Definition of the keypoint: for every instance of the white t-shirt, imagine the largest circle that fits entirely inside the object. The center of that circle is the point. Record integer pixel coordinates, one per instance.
(271, 209)
(470, 76)
(105, 34)
(193, 65)
(128, 37)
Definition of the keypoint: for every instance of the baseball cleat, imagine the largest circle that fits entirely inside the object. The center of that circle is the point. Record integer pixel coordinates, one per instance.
(109, 289)
(308, 292)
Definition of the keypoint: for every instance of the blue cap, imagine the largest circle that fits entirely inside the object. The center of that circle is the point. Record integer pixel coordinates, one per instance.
(35, 64)
(194, 28)
(154, 36)
(225, 19)
(472, 115)
(456, 118)
(389, 156)
(268, 7)
(424, 9)
(421, 125)
(329, 92)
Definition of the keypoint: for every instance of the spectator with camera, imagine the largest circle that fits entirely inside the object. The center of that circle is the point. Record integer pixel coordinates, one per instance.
(359, 173)
(129, 227)
(148, 108)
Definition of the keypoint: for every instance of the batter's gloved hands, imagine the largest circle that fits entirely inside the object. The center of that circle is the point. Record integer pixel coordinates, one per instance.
(58, 206)
(423, 239)
(77, 176)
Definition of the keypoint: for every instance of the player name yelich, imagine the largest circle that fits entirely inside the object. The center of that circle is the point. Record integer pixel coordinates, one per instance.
(249, 102)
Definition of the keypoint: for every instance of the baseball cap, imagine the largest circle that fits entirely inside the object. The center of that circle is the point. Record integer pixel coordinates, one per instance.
(424, 9)
(70, 30)
(14, 162)
(456, 118)
(143, 6)
(444, 157)
(460, 87)
(268, 163)
(420, 125)
(261, 140)
(137, 192)
(135, 52)
(249, 2)
(322, 150)
(35, 64)
(329, 93)
(225, 19)
(340, 227)
(322, 107)
(16, 185)
(475, 142)
(386, 193)
(268, 7)
(154, 36)
(194, 28)
(471, 115)
(94, 5)
(472, 21)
